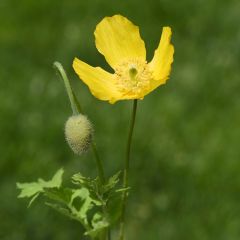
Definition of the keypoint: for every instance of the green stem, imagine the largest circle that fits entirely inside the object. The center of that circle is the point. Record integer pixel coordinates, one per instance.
(99, 164)
(126, 170)
(76, 109)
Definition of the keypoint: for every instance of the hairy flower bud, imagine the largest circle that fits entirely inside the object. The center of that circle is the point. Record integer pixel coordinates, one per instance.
(78, 133)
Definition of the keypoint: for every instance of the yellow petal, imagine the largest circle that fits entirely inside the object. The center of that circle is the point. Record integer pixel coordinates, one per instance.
(162, 60)
(101, 83)
(118, 39)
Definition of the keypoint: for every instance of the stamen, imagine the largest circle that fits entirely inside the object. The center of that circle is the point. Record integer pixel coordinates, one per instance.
(133, 77)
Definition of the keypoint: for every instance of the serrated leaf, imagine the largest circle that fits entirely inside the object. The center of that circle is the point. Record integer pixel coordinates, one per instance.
(98, 224)
(29, 189)
(35, 188)
(67, 211)
(56, 180)
(62, 195)
(88, 202)
(91, 184)
(112, 182)
(78, 178)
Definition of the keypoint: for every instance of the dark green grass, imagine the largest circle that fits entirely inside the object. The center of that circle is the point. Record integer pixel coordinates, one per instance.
(186, 158)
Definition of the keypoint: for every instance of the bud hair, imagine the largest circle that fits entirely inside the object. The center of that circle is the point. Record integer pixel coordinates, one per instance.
(78, 133)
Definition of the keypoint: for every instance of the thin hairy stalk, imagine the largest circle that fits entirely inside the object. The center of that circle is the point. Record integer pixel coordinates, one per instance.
(126, 170)
(76, 109)
(99, 164)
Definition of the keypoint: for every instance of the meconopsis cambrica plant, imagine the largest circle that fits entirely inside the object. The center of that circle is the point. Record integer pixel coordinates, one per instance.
(99, 204)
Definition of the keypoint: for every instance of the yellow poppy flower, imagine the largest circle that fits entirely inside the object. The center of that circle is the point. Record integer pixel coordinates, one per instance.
(120, 42)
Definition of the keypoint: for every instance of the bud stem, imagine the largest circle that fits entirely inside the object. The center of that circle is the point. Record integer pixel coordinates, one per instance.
(72, 98)
(126, 169)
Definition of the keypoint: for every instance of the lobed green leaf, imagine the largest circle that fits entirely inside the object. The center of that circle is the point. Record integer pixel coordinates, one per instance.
(32, 190)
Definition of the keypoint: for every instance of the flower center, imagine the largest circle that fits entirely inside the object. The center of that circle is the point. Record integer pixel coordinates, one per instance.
(133, 76)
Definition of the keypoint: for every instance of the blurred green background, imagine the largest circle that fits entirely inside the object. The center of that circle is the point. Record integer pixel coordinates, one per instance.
(186, 157)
